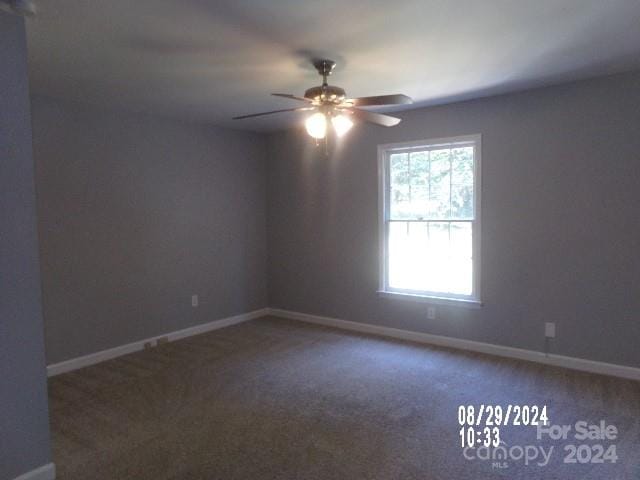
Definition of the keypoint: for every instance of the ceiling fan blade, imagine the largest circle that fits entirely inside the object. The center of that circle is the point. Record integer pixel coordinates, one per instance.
(397, 99)
(377, 118)
(292, 97)
(299, 109)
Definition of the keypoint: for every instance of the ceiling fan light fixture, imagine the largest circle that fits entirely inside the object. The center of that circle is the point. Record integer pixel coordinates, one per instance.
(341, 124)
(331, 102)
(316, 125)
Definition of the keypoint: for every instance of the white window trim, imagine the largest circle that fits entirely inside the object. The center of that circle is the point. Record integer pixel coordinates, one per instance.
(384, 151)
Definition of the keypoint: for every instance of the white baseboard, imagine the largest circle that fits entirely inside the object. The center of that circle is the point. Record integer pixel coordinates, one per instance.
(45, 472)
(573, 363)
(499, 350)
(93, 358)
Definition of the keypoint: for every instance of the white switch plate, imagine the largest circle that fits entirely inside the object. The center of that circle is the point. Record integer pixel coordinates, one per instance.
(550, 329)
(194, 300)
(431, 313)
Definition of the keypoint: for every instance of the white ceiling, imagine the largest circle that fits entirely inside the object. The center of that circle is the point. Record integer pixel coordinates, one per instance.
(208, 60)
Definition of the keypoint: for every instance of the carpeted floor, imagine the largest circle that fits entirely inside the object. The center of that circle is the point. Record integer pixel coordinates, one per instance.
(278, 399)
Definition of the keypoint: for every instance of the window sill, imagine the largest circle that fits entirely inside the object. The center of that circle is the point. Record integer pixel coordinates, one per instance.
(454, 302)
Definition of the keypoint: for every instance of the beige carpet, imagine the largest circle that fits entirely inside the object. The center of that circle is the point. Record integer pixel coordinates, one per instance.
(277, 399)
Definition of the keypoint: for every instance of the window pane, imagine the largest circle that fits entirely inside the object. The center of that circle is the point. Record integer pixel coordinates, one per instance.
(462, 166)
(408, 257)
(432, 257)
(462, 183)
(438, 240)
(419, 166)
(439, 205)
(409, 185)
(461, 202)
(461, 240)
(418, 185)
(399, 185)
(439, 184)
(419, 202)
(460, 276)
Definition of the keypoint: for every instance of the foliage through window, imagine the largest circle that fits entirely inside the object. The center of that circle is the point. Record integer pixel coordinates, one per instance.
(430, 218)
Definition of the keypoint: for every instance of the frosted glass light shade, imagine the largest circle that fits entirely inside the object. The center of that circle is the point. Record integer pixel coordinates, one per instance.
(316, 125)
(341, 124)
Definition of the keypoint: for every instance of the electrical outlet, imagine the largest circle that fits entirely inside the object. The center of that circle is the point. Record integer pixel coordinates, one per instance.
(161, 340)
(194, 300)
(550, 330)
(431, 313)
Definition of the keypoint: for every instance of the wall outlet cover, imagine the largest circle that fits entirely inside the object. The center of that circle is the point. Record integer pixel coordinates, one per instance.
(194, 300)
(431, 313)
(550, 329)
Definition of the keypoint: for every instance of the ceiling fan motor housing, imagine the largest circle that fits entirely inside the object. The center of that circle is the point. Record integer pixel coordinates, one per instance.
(325, 94)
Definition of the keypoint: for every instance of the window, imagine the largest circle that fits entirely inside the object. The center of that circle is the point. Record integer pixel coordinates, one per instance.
(430, 219)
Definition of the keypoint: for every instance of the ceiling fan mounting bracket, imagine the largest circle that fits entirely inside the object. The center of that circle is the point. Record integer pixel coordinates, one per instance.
(324, 66)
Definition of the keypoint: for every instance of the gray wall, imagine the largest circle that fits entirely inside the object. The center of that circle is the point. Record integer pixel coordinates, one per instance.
(560, 205)
(137, 213)
(24, 423)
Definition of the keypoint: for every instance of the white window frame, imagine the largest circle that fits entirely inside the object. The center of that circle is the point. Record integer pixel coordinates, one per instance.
(384, 153)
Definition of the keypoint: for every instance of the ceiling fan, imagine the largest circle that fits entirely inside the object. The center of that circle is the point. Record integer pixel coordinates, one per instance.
(329, 102)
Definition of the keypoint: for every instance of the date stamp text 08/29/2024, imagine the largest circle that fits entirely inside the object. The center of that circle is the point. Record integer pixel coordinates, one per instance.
(481, 437)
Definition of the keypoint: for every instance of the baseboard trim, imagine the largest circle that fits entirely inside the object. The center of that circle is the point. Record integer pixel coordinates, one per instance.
(573, 363)
(101, 356)
(45, 472)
